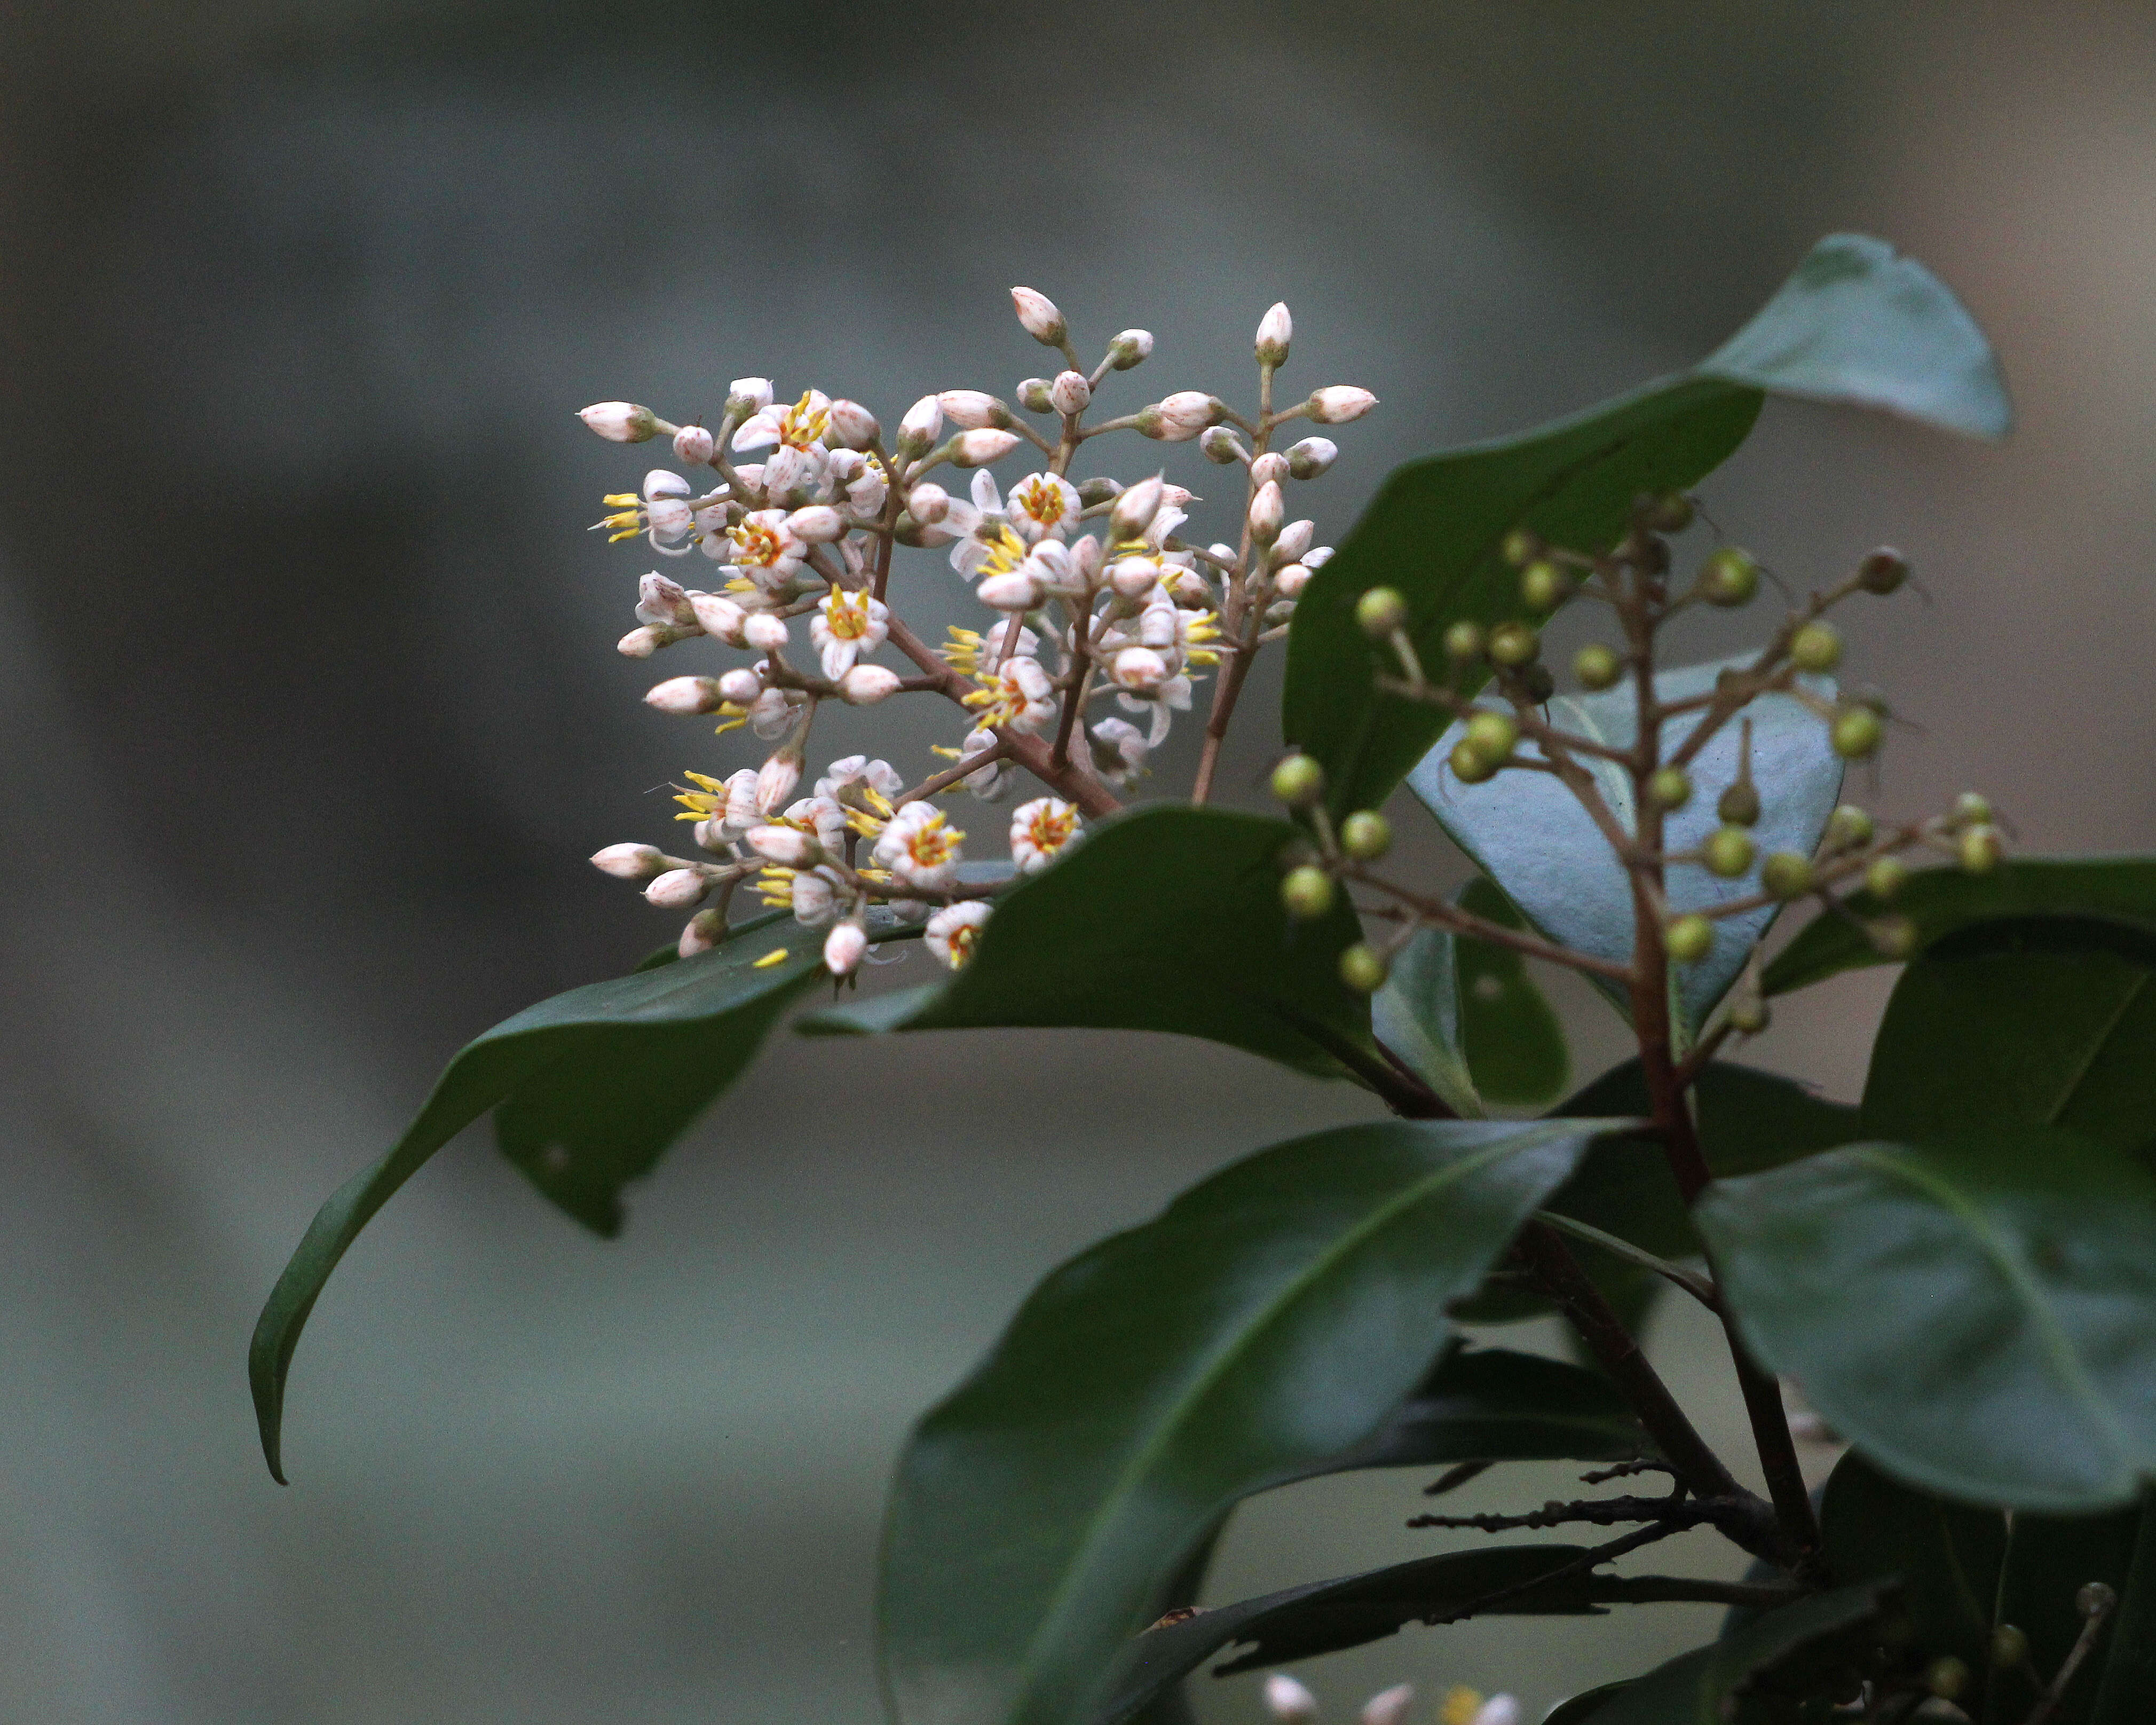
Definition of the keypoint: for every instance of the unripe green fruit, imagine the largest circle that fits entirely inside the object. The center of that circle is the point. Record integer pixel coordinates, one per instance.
(1596, 667)
(1298, 781)
(1886, 877)
(1727, 852)
(1670, 512)
(1882, 571)
(1535, 682)
(1307, 892)
(1971, 807)
(1786, 873)
(1892, 937)
(1749, 1017)
(1468, 767)
(1491, 735)
(1856, 733)
(1522, 547)
(1689, 939)
(1464, 641)
(1978, 848)
(1669, 787)
(1366, 835)
(1380, 611)
(2010, 1646)
(1729, 578)
(1361, 969)
(1847, 826)
(1739, 805)
(1816, 647)
(1946, 1678)
(1544, 586)
(1514, 643)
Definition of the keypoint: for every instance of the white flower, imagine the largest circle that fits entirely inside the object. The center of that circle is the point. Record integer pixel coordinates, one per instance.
(775, 781)
(799, 427)
(843, 949)
(1042, 505)
(1120, 750)
(1336, 403)
(955, 931)
(677, 889)
(815, 895)
(990, 783)
(772, 714)
(846, 626)
(631, 862)
(1017, 696)
(785, 844)
(863, 480)
(1039, 830)
(821, 816)
(920, 847)
(1388, 1706)
(856, 774)
(694, 446)
(865, 685)
(1276, 330)
(981, 448)
(852, 426)
(1037, 312)
(748, 395)
(764, 549)
(917, 430)
(659, 513)
(620, 422)
(1141, 671)
(1184, 414)
(658, 600)
(970, 409)
(795, 476)
(1288, 1701)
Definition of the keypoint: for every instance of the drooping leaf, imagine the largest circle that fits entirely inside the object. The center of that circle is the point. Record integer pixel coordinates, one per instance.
(1166, 918)
(1975, 1315)
(1814, 1646)
(2048, 1021)
(1939, 901)
(1856, 324)
(593, 1085)
(1327, 1616)
(1529, 834)
(1269, 1320)
(1465, 1015)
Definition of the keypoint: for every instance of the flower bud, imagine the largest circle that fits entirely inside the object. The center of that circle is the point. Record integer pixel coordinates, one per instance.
(1219, 444)
(1338, 403)
(740, 686)
(1140, 669)
(1033, 396)
(1884, 877)
(1728, 578)
(764, 630)
(1307, 892)
(1816, 647)
(1183, 415)
(1134, 578)
(789, 845)
(1015, 590)
(1491, 734)
(1894, 937)
(917, 430)
(1069, 394)
(701, 933)
(1749, 1017)
(1389, 1707)
(678, 889)
(2095, 1598)
(2010, 1646)
(1381, 611)
(1131, 348)
(620, 422)
(1978, 849)
(1689, 938)
(1522, 546)
(1856, 733)
(1464, 641)
(865, 685)
(842, 947)
(775, 781)
(851, 425)
(629, 862)
(1848, 826)
(1669, 787)
(1268, 512)
(1276, 330)
(1294, 540)
(1298, 781)
(1366, 835)
(1363, 969)
(722, 619)
(970, 409)
(1786, 873)
(1598, 667)
(981, 448)
(685, 696)
(1665, 512)
(1134, 510)
(1543, 586)
(819, 524)
(643, 641)
(1727, 852)
(1882, 571)
(1094, 492)
(1290, 579)
(1037, 312)
(1514, 645)
(1468, 767)
(1312, 457)
(1971, 806)
(929, 504)
(748, 395)
(694, 446)
(1288, 1702)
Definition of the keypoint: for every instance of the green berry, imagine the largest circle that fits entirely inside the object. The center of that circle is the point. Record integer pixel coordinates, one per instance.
(1670, 512)
(1596, 667)
(1492, 735)
(2010, 1646)
(1787, 874)
(1361, 969)
(1856, 733)
(1669, 787)
(1464, 641)
(1972, 807)
(1729, 578)
(1522, 547)
(1514, 643)
(1848, 826)
(1543, 586)
(1468, 767)
(1816, 647)
(1886, 877)
(1689, 939)
(1298, 781)
(1366, 835)
(1739, 805)
(1307, 892)
(1978, 848)
(1727, 852)
(1749, 1017)
(1381, 611)
(1946, 1678)
(1882, 571)
(1892, 937)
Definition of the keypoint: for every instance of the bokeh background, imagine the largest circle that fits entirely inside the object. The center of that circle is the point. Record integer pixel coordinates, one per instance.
(312, 715)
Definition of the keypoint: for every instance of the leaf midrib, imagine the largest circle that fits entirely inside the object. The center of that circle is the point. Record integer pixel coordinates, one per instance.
(2097, 1047)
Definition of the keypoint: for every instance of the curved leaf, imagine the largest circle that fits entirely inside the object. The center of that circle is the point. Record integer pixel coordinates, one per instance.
(1531, 836)
(592, 1084)
(1856, 324)
(1166, 918)
(1270, 1319)
(1975, 1315)
(1939, 901)
(2128, 1694)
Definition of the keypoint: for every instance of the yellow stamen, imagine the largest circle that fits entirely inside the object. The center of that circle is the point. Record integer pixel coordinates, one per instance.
(776, 956)
(1461, 1704)
(621, 499)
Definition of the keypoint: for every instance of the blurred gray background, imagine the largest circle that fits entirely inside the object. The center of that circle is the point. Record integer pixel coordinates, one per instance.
(312, 715)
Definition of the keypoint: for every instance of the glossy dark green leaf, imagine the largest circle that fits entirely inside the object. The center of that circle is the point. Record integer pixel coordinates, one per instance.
(593, 1085)
(1327, 1616)
(1467, 1017)
(1577, 1709)
(1166, 918)
(1271, 1318)
(2030, 1022)
(1856, 324)
(2127, 1693)
(2048, 1559)
(2119, 889)
(1531, 836)
(1975, 1315)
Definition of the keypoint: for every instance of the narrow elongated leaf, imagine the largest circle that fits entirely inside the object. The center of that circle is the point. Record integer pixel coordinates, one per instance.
(1973, 1315)
(2047, 1021)
(2127, 1694)
(1795, 1651)
(1856, 324)
(1530, 835)
(1939, 901)
(1166, 918)
(596, 1083)
(1269, 1320)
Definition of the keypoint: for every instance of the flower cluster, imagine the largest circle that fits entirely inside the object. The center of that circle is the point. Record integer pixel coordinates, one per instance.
(1104, 622)
(1291, 1703)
